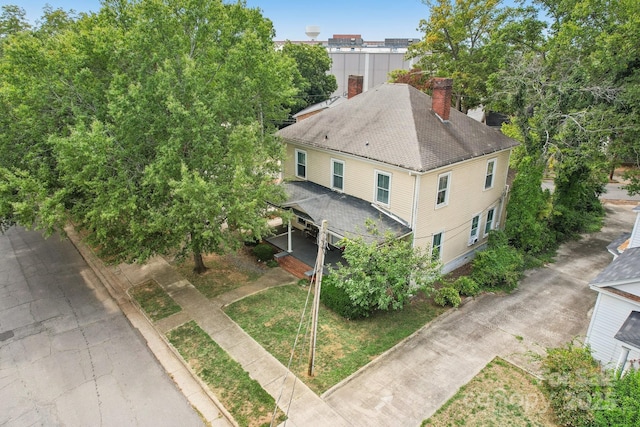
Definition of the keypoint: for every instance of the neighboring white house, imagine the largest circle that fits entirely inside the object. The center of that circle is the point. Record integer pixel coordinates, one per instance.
(614, 331)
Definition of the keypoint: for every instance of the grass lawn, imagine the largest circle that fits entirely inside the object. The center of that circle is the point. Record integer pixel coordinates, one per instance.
(272, 318)
(500, 395)
(154, 300)
(243, 397)
(226, 272)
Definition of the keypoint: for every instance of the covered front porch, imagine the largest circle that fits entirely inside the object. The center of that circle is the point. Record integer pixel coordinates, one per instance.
(347, 216)
(306, 250)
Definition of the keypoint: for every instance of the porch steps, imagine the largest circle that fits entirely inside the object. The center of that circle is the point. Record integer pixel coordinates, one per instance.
(293, 265)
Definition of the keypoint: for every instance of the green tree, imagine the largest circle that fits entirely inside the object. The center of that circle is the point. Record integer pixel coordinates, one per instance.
(382, 276)
(468, 41)
(168, 143)
(314, 83)
(13, 19)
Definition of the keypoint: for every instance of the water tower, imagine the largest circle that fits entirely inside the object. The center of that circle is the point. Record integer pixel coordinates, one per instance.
(312, 31)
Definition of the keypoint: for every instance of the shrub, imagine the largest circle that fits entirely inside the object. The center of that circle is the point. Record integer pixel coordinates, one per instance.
(272, 263)
(447, 295)
(622, 406)
(383, 276)
(500, 265)
(337, 299)
(263, 251)
(574, 382)
(466, 286)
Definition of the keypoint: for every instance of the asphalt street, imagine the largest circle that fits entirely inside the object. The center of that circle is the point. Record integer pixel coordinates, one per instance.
(68, 356)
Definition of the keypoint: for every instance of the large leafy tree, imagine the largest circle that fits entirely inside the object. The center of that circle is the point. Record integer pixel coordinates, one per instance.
(170, 140)
(574, 100)
(468, 41)
(314, 83)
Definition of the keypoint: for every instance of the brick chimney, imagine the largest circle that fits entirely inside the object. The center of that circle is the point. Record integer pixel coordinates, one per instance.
(441, 97)
(355, 86)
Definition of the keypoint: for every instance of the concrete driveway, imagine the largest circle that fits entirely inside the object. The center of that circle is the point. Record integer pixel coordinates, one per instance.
(551, 306)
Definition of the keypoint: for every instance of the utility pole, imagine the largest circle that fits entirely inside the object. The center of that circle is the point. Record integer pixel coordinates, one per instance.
(317, 277)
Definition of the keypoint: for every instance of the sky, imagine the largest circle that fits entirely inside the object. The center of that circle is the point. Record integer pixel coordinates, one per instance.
(374, 20)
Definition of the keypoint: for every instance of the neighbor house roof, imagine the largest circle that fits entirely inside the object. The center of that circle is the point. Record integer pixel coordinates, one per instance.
(629, 333)
(393, 123)
(329, 103)
(624, 269)
(346, 215)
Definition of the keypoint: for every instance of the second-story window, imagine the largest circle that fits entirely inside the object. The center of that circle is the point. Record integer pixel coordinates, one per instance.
(444, 182)
(337, 174)
(301, 164)
(488, 179)
(383, 187)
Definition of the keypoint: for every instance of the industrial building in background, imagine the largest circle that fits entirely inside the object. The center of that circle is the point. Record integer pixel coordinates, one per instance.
(352, 55)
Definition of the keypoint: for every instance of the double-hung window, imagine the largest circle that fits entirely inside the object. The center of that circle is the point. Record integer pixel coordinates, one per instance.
(475, 228)
(444, 182)
(383, 187)
(337, 175)
(301, 164)
(488, 226)
(488, 179)
(436, 246)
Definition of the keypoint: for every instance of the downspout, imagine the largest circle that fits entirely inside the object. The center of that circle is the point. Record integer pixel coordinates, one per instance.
(414, 211)
(289, 248)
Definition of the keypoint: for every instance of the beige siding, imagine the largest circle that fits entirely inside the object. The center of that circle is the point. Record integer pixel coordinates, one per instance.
(467, 198)
(467, 195)
(359, 178)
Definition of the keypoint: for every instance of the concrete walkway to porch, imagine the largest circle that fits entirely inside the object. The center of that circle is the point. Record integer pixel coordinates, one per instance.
(306, 408)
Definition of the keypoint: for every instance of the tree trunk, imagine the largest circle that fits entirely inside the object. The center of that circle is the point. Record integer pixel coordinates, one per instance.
(198, 264)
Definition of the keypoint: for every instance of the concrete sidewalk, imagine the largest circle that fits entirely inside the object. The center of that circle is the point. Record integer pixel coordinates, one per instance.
(306, 407)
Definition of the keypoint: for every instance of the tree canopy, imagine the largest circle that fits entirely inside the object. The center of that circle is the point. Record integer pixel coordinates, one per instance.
(150, 124)
(314, 83)
(468, 41)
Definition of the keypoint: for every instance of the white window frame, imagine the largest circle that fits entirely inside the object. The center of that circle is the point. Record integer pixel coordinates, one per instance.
(376, 188)
(491, 165)
(438, 255)
(297, 164)
(446, 190)
(333, 174)
(489, 224)
(474, 233)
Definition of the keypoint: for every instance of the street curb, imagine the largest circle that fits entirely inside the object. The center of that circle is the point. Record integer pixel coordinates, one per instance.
(148, 331)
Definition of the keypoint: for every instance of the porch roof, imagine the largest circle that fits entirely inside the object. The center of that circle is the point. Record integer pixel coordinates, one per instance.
(346, 215)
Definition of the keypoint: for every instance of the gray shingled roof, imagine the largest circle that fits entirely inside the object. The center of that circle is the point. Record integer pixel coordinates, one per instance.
(625, 268)
(629, 333)
(393, 123)
(345, 214)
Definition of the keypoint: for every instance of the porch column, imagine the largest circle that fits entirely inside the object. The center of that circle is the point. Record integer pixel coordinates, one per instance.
(289, 249)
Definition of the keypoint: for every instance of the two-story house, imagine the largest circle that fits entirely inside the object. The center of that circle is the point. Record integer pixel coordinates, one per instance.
(406, 161)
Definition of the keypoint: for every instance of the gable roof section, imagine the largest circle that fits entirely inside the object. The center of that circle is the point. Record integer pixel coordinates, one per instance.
(345, 214)
(393, 123)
